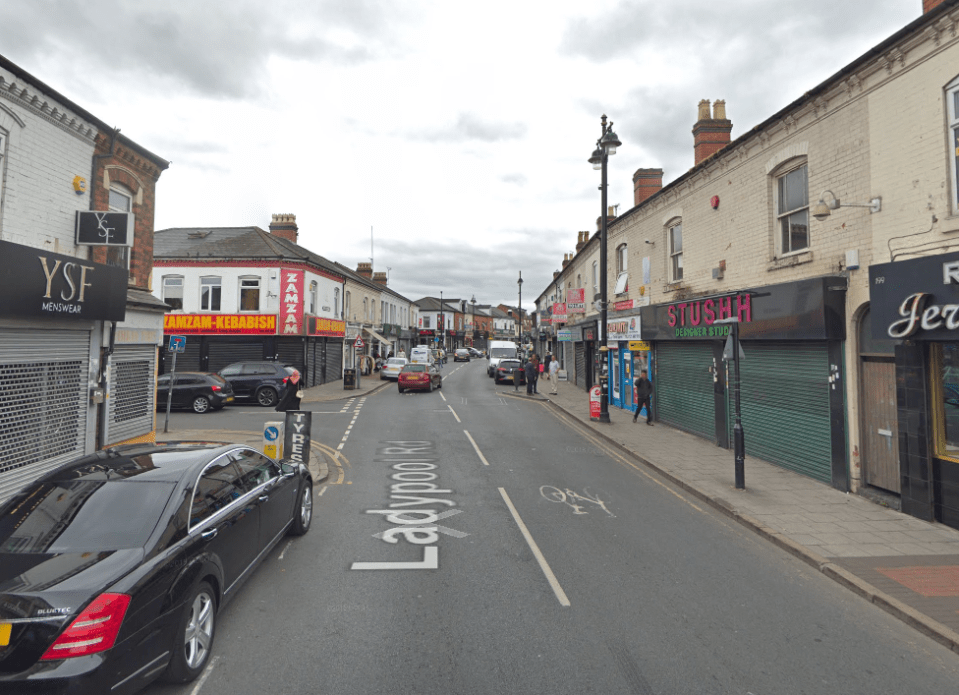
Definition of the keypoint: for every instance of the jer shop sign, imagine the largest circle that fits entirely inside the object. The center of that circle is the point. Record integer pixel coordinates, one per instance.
(916, 299)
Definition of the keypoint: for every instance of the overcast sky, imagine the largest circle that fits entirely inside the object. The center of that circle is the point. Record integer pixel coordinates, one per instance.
(458, 131)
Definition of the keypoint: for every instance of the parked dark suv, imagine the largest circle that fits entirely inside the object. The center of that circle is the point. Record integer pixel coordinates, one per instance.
(263, 382)
(198, 391)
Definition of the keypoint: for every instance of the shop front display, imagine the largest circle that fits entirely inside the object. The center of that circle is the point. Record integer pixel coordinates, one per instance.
(792, 394)
(914, 309)
(620, 332)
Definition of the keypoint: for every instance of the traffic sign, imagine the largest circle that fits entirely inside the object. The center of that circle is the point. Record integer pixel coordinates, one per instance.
(177, 343)
(359, 342)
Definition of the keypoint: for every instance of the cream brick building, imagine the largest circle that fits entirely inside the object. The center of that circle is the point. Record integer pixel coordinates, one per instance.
(736, 235)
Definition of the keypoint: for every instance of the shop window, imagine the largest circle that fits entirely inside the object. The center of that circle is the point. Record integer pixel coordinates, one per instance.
(249, 294)
(945, 377)
(173, 291)
(792, 210)
(675, 240)
(952, 107)
(121, 200)
(210, 289)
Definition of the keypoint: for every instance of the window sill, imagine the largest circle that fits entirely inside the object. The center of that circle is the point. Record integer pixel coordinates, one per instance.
(790, 261)
(674, 286)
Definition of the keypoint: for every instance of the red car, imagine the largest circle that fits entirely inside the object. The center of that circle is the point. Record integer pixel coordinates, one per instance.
(419, 377)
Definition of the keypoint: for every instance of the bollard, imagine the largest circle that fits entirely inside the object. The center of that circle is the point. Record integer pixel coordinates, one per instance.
(273, 439)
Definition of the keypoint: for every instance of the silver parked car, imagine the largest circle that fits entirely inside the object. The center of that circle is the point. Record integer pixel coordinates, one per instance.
(392, 367)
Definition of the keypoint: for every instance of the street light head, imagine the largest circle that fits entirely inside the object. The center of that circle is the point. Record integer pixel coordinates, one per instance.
(610, 142)
(597, 159)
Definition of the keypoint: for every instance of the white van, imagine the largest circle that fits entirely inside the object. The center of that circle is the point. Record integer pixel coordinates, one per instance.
(421, 355)
(500, 350)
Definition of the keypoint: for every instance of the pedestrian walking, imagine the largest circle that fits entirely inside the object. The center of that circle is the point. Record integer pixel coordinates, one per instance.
(644, 390)
(531, 371)
(553, 374)
(546, 362)
(537, 368)
(291, 396)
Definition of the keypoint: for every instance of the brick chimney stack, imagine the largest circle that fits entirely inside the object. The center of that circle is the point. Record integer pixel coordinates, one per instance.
(582, 238)
(365, 270)
(379, 277)
(646, 183)
(610, 216)
(710, 134)
(285, 226)
(929, 5)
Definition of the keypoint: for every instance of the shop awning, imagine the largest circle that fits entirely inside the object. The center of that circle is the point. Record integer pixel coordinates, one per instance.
(377, 336)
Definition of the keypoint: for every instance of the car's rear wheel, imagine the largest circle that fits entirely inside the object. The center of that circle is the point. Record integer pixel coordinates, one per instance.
(430, 389)
(266, 396)
(194, 640)
(201, 404)
(400, 388)
(304, 511)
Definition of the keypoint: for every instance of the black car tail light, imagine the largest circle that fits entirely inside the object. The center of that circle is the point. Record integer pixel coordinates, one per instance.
(215, 387)
(94, 630)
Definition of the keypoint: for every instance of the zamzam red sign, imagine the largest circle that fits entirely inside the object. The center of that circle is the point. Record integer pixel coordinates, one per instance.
(291, 306)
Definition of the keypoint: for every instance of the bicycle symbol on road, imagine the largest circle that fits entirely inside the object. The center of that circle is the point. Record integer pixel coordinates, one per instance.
(573, 499)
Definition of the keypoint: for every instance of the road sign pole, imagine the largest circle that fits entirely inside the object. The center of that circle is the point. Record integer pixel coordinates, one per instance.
(169, 395)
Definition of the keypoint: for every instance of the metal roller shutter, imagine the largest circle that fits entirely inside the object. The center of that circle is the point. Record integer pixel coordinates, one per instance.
(188, 361)
(334, 360)
(312, 378)
(225, 352)
(683, 395)
(580, 360)
(785, 406)
(290, 351)
(132, 402)
(43, 402)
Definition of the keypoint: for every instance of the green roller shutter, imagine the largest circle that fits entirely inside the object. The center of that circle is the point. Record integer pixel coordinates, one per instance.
(683, 393)
(785, 406)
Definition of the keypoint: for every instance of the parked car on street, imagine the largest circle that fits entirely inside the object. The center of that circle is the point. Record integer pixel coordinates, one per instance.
(505, 370)
(115, 566)
(263, 382)
(419, 377)
(461, 355)
(500, 350)
(198, 391)
(474, 352)
(391, 369)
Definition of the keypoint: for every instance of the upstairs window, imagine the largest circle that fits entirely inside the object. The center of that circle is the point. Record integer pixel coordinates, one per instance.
(675, 242)
(595, 278)
(173, 291)
(952, 107)
(621, 258)
(792, 210)
(210, 289)
(311, 298)
(249, 294)
(121, 200)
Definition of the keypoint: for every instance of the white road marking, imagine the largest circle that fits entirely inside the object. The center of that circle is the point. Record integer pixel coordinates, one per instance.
(454, 414)
(340, 447)
(442, 396)
(285, 549)
(543, 565)
(206, 674)
(322, 490)
(478, 452)
(431, 561)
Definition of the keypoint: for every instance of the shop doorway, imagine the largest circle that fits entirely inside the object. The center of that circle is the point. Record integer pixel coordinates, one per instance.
(879, 429)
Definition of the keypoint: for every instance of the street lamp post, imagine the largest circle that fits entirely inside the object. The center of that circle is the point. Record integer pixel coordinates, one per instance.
(605, 146)
(519, 283)
(473, 322)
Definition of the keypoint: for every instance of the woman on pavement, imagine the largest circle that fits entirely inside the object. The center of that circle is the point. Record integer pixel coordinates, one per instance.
(291, 396)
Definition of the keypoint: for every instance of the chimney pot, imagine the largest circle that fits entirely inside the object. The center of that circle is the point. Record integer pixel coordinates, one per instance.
(379, 277)
(710, 135)
(284, 226)
(929, 5)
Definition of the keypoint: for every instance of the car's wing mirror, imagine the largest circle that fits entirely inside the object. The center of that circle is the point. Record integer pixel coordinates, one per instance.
(288, 468)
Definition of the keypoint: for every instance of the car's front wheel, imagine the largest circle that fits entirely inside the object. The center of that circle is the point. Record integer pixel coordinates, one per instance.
(201, 404)
(266, 397)
(304, 511)
(194, 640)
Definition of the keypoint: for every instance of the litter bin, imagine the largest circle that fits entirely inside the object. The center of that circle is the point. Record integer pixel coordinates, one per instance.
(349, 379)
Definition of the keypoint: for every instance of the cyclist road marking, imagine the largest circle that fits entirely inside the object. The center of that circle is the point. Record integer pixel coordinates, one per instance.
(478, 452)
(543, 565)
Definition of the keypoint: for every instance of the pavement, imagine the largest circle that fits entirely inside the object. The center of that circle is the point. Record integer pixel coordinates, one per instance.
(906, 566)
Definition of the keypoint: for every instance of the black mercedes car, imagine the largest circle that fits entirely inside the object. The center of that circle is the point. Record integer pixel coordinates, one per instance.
(113, 568)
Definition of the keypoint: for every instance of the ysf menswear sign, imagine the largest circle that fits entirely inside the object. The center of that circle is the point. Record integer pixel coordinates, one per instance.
(37, 283)
(104, 228)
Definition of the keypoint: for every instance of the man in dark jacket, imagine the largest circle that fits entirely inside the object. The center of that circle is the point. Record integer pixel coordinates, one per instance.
(644, 389)
(531, 374)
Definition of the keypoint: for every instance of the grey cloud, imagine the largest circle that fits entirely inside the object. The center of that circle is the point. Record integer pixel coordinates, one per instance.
(213, 49)
(468, 127)
(517, 179)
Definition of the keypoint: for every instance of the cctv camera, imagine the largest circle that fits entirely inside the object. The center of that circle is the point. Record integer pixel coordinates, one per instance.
(650, 242)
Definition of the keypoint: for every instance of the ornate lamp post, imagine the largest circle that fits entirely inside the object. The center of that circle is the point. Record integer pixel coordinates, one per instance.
(473, 322)
(605, 146)
(519, 283)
